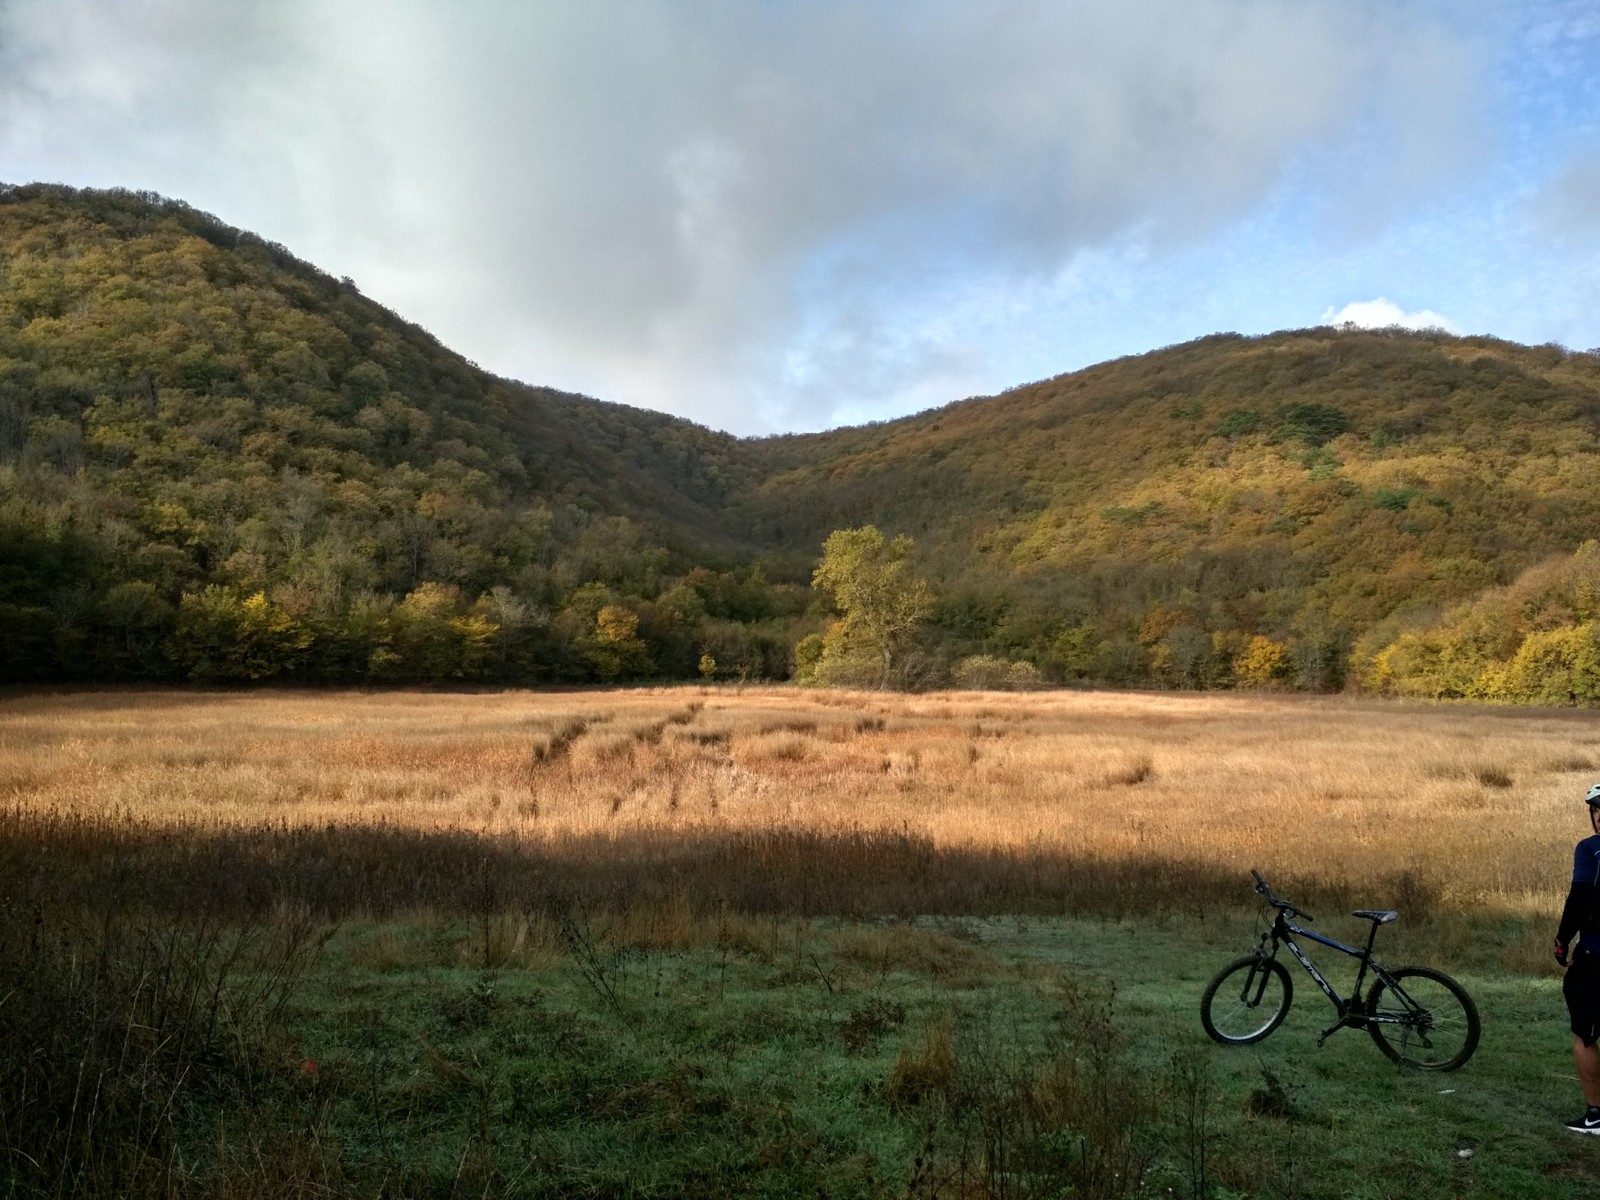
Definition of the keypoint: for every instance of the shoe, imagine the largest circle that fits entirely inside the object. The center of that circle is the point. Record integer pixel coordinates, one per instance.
(1588, 1123)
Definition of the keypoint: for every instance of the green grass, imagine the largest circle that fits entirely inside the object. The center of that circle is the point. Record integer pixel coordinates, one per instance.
(808, 1063)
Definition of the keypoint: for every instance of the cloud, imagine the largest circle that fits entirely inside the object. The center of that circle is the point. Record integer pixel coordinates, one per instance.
(751, 214)
(1568, 207)
(1386, 314)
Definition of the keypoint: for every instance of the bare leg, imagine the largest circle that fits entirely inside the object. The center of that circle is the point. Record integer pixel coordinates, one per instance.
(1587, 1059)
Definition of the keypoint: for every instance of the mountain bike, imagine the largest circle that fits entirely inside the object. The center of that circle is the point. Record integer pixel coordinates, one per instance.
(1419, 1017)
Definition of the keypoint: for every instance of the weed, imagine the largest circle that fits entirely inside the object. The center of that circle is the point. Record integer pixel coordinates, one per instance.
(923, 1070)
(1272, 1097)
(865, 1024)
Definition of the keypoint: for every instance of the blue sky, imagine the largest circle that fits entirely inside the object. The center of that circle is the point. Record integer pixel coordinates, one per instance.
(792, 215)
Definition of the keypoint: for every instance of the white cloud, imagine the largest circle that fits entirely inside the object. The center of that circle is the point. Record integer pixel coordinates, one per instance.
(1386, 314)
(750, 214)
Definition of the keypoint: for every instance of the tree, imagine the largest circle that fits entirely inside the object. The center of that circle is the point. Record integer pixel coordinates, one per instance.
(872, 584)
(1262, 663)
(223, 636)
(615, 647)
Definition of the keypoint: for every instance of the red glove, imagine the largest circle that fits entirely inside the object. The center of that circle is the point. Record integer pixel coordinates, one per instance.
(1561, 952)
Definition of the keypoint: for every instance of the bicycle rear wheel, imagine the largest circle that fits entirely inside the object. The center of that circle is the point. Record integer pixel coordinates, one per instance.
(1246, 1001)
(1424, 1020)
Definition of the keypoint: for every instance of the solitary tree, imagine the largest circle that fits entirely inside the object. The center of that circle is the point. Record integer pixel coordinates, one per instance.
(872, 584)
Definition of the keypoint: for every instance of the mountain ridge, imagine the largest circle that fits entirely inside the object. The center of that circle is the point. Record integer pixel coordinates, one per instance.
(185, 406)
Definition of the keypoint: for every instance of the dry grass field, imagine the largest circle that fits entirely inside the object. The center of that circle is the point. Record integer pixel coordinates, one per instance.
(1466, 808)
(590, 943)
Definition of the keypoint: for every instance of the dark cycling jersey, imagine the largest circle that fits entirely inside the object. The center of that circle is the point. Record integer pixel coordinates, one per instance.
(1581, 916)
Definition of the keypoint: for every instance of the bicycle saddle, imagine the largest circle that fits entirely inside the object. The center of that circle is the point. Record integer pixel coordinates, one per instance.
(1381, 916)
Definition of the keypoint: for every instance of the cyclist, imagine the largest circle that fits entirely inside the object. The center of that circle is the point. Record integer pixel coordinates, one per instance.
(1581, 918)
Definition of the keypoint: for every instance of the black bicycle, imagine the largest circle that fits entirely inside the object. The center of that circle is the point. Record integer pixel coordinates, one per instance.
(1418, 1016)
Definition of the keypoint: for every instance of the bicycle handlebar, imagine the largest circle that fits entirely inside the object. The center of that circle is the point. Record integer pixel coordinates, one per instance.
(1263, 888)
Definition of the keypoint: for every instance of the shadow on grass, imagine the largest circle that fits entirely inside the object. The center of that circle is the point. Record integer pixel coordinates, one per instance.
(336, 871)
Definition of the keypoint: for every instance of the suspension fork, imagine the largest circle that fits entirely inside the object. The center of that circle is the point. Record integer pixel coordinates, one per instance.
(1259, 975)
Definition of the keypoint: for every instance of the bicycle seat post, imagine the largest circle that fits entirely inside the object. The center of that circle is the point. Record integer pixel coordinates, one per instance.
(1378, 916)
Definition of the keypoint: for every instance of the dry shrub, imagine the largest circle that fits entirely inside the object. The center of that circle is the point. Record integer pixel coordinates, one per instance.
(669, 924)
(526, 940)
(698, 737)
(648, 732)
(686, 714)
(1485, 774)
(756, 936)
(904, 947)
(924, 1070)
(388, 948)
(1070, 1114)
(554, 742)
(775, 747)
(1136, 770)
(111, 1025)
(1567, 763)
(901, 764)
(870, 1020)
(790, 725)
(598, 750)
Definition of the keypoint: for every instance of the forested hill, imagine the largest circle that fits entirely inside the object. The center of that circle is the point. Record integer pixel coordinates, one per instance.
(184, 405)
(1318, 487)
(217, 462)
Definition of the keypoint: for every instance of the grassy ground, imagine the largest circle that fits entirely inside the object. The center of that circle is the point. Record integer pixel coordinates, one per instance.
(530, 989)
(958, 1058)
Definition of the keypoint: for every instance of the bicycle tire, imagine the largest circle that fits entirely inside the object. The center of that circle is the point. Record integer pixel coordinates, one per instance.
(1239, 1020)
(1437, 1025)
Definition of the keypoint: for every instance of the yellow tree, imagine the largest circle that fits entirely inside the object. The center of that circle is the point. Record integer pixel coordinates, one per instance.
(872, 584)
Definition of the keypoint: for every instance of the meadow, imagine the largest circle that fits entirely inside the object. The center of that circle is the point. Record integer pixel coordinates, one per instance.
(732, 940)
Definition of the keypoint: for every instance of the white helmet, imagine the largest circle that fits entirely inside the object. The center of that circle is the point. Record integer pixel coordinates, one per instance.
(1593, 798)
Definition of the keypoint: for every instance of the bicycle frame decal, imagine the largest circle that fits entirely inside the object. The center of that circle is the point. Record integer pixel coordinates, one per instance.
(1311, 967)
(1284, 932)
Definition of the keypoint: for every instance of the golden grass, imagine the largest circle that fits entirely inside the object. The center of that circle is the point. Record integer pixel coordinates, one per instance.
(1482, 803)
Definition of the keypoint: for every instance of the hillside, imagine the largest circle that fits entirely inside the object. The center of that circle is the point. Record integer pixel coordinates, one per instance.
(184, 405)
(217, 462)
(1312, 486)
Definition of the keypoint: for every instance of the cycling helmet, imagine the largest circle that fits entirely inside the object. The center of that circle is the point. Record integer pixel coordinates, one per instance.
(1593, 798)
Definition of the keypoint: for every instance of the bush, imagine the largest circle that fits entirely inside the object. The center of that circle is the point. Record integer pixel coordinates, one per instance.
(1239, 422)
(1313, 424)
(112, 1026)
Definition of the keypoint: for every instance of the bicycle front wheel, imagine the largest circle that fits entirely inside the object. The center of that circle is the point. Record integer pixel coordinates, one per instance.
(1246, 1001)
(1422, 1018)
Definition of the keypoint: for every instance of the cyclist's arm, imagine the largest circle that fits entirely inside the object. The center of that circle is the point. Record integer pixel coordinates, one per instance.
(1579, 898)
(1584, 892)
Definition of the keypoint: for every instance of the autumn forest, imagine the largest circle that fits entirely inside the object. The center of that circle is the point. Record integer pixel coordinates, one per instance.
(220, 465)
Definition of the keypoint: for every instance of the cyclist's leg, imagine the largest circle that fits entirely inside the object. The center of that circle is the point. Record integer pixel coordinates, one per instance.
(1581, 989)
(1587, 1060)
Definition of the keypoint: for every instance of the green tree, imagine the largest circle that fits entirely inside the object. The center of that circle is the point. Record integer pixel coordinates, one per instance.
(615, 648)
(433, 639)
(872, 584)
(222, 635)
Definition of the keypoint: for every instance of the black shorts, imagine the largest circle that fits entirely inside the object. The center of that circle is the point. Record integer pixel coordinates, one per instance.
(1581, 987)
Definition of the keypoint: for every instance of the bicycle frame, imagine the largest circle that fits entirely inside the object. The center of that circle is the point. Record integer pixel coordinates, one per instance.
(1351, 1012)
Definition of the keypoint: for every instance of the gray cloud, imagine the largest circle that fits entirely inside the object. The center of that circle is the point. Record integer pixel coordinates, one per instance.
(745, 213)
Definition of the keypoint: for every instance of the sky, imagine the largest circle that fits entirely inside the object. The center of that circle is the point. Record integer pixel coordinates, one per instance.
(784, 215)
